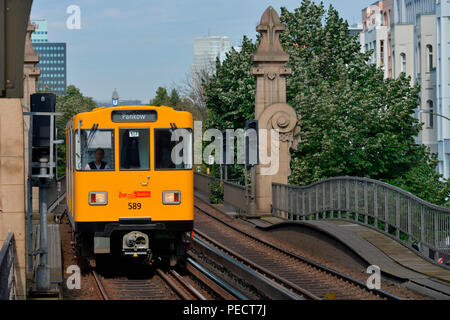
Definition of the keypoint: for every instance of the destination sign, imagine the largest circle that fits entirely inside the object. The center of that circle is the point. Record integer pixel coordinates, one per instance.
(134, 116)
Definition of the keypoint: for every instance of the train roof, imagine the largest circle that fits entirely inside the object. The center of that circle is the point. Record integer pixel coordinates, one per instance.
(99, 110)
(131, 107)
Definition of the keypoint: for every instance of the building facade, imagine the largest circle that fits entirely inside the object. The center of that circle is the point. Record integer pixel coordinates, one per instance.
(417, 33)
(376, 34)
(355, 29)
(53, 65)
(52, 60)
(443, 84)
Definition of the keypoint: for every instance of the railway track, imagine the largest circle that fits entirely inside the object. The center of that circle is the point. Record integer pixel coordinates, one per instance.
(197, 284)
(298, 274)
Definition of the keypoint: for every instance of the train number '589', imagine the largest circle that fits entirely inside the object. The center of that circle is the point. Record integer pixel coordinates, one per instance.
(134, 206)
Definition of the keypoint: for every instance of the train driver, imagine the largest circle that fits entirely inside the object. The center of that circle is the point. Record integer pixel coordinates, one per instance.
(98, 164)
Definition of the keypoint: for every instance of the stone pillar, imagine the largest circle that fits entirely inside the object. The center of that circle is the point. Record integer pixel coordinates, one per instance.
(271, 110)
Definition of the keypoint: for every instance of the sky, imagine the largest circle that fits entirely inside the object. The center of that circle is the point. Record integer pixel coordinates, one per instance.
(138, 45)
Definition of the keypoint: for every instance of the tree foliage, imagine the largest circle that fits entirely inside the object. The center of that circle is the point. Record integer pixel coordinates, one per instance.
(353, 121)
(230, 93)
(69, 105)
(175, 101)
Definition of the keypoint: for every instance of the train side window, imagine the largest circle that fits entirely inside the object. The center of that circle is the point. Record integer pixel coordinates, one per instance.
(134, 150)
(94, 150)
(173, 149)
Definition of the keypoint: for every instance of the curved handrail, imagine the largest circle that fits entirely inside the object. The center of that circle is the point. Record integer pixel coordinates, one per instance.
(380, 183)
(388, 209)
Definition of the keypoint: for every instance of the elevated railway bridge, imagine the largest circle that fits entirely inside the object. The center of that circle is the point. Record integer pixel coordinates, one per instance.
(314, 242)
(344, 223)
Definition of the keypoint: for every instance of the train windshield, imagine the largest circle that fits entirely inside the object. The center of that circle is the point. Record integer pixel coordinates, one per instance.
(134, 149)
(173, 149)
(94, 150)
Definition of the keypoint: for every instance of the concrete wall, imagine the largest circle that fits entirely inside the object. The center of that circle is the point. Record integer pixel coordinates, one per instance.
(12, 186)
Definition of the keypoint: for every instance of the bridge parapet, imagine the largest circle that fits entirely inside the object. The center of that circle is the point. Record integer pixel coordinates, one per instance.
(417, 224)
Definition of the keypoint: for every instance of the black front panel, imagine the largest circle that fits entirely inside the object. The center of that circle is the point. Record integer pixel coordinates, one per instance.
(108, 227)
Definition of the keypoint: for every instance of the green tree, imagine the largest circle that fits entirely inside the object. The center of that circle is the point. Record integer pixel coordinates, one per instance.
(174, 99)
(162, 98)
(69, 105)
(178, 103)
(230, 93)
(353, 121)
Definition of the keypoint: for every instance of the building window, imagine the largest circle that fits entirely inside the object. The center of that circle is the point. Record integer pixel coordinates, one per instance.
(134, 149)
(382, 53)
(419, 58)
(403, 62)
(393, 62)
(430, 57)
(430, 114)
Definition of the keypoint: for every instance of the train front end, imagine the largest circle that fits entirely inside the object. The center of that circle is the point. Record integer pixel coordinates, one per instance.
(130, 185)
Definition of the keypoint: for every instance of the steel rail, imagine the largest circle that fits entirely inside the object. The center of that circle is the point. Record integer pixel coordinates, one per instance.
(100, 286)
(172, 282)
(187, 285)
(224, 290)
(258, 268)
(302, 259)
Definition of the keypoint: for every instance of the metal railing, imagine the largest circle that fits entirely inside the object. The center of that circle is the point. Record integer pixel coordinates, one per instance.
(394, 212)
(55, 192)
(7, 269)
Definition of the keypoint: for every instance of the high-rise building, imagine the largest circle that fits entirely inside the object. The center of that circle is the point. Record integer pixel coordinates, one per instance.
(207, 50)
(40, 33)
(52, 60)
(53, 65)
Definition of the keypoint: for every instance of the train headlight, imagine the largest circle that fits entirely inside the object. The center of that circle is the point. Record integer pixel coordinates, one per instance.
(98, 198)
(171, 197)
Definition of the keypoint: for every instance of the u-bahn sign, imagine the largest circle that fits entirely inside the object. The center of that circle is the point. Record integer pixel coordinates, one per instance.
(14, 16)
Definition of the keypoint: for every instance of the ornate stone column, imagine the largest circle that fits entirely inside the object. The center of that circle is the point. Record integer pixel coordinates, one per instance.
(271, 110)
(30, 73)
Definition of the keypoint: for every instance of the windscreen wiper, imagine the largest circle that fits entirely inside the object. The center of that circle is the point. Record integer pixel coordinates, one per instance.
(91, 134)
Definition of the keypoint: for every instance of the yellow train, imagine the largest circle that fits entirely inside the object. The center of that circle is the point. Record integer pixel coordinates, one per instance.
(130, 182)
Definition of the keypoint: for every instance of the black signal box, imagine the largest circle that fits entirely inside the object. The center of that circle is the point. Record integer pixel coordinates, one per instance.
(42, 102)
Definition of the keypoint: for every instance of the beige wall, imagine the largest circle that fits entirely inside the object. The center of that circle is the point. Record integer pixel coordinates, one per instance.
(12, 187)
(30, 78)
(13, 164)
(426, 76)
(403, 42)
